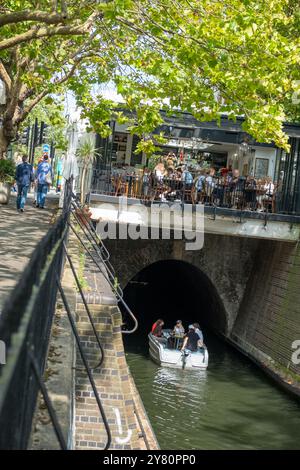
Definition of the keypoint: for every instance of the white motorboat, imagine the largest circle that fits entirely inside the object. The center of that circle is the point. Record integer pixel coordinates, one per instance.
(162, 355)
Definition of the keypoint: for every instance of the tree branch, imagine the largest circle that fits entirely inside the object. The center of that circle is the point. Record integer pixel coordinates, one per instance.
(4, 76)
(31, 105)
(44, 93)
(27, 15)
(37, 33)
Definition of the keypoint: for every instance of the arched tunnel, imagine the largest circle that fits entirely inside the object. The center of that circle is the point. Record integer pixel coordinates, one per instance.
(172, 290)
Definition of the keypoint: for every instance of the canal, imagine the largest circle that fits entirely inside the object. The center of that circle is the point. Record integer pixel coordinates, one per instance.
(232, 405)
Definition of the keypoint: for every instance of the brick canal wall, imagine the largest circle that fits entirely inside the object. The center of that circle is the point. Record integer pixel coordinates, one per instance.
(126, 416)
(67, 381)
(268, 322)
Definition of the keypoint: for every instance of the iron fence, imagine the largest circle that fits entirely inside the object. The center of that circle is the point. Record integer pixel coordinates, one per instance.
(26, 320)
(240, 193)
(25, 325)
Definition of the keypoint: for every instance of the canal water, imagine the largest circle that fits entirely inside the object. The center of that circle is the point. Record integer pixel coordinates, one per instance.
(232, 405)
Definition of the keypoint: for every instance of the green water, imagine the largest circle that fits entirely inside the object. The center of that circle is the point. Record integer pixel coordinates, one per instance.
(232, 405)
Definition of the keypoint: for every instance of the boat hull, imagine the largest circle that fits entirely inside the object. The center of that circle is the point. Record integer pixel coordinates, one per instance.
(163, 356)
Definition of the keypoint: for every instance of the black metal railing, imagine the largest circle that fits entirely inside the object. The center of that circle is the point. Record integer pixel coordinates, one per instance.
(240, 193)
(25, 326)
(26, 320)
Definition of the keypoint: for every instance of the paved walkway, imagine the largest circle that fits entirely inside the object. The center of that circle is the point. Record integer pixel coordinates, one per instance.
(19, 234)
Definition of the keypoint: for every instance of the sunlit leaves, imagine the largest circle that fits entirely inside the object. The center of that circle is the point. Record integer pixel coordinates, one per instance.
(238, 57)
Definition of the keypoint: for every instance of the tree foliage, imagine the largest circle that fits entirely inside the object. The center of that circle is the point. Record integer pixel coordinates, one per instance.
(238, 57)
(51, 112)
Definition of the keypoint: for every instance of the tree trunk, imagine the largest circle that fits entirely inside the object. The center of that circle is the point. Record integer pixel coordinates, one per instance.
(3, 144)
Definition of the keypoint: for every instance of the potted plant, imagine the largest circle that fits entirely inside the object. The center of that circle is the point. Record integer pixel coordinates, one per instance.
(7, 177)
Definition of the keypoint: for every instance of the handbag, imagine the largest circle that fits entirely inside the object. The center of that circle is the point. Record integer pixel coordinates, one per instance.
(48, 178)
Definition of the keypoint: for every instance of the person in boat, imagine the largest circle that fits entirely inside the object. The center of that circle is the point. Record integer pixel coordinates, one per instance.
(157, 328)
(178, 329)
(158, 332)
(200, 334)
(198, 331)
(191, 340)
(177, 333)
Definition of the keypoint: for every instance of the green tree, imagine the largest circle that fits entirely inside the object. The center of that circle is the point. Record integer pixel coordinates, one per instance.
(86, 154)
(51, 112)
(210, 57)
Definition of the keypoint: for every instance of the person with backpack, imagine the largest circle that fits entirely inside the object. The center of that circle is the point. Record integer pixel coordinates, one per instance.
(44, 180)
(24, 177)
(187, 179)
(200, 186)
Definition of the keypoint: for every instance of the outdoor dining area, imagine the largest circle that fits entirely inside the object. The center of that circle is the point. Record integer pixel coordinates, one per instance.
(223, 188)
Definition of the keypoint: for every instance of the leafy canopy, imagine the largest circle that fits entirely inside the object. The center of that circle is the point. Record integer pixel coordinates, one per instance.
(208, 57)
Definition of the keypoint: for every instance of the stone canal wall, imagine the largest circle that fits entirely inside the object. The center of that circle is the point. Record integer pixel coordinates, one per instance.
(268, 322)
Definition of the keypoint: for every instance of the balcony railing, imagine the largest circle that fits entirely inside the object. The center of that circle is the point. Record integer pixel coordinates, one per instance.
(242, 194)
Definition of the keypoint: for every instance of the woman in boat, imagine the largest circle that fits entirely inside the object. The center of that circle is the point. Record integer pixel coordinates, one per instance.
(157, 328)
(158, 332)
(174, 341)
(178, 329)
(191, 340)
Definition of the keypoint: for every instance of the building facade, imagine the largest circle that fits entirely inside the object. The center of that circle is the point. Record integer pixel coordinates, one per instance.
(195, 142)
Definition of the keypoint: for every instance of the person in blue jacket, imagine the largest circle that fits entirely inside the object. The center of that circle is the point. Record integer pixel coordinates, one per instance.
(44, 178)
(24, 177)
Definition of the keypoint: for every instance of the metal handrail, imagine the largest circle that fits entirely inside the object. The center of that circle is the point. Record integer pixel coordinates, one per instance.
(109, 268)
(85, 363)
(113, 287)
(86, 307)
(96, 240)
(96, 236)
(101, 269)
(50, 408)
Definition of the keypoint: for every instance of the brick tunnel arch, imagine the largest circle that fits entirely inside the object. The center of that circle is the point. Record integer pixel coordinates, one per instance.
(174, 289)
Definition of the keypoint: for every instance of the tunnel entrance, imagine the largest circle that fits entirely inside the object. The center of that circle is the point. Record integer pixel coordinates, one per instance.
(173, 290)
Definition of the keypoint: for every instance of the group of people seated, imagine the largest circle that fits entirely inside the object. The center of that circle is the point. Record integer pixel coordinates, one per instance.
(174, 180)
(223, 188)
(178, 338)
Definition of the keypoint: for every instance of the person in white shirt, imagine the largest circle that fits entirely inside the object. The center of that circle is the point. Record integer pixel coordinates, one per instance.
(178, 329)
(177, 333)
(269, 187)
(198, 332)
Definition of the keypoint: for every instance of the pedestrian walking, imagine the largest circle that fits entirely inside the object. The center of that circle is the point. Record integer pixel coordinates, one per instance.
(24, 177)
(35, 167)
(44, 180)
